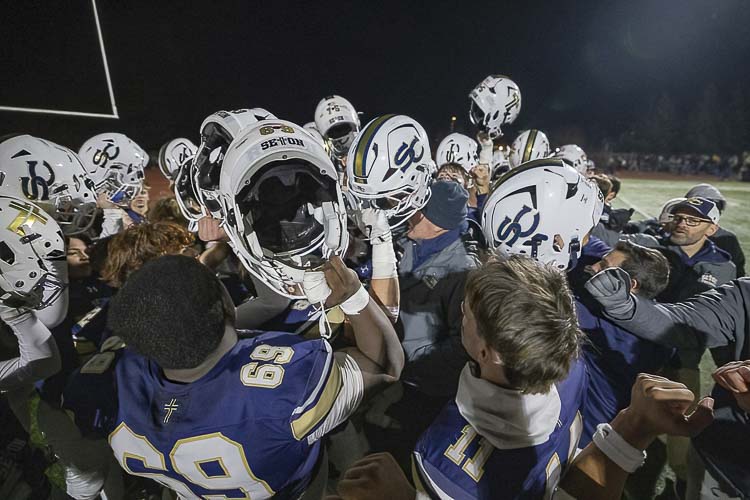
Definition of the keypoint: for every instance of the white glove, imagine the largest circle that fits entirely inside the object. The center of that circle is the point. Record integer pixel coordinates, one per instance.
(374, 224)
(485, 151)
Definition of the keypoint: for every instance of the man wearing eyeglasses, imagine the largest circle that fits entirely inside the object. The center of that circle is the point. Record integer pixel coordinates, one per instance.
(697, 263)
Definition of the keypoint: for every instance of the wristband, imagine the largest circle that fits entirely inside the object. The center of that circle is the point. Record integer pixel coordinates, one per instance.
(383, 261)
(617, 449)
(485, 154)
(354, 304)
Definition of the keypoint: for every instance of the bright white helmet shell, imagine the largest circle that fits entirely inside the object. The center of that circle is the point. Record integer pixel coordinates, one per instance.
(284, 211)
(116, 165)
(574, 156)
(529, 145)
(338, 123)
(390, 166)
(217, 133)
(173, 154)
(312, 129)
(542, 210)
(494, 103)
(51, 176)
(458, 148)
(30, 239)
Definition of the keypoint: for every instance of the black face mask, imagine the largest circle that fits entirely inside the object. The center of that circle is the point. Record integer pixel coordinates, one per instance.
(279, 203)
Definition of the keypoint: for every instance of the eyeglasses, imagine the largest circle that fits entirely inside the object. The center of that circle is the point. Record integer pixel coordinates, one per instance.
(689, 221)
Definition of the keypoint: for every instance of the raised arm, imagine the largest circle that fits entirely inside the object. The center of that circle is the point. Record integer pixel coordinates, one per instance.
(711, 319)
(39, 357)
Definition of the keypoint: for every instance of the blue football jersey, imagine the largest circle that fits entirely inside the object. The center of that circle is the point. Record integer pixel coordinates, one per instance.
(249, 428)
(452, 461)
(614, 358)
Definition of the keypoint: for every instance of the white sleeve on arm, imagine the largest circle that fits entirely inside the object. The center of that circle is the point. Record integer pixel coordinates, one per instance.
(348, 399)
(39, 357)
(112, 223)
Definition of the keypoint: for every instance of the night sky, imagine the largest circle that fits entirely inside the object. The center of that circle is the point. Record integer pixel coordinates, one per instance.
(586, 69)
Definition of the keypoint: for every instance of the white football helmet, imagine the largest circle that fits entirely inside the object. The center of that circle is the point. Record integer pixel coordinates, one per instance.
(529, 145)
(30, 239)
(312, 129)
(666, 210)
(494, 102)
(390, 167)
(116, 165)
(543, 210)
(284, 211)
(574, 156)
(173, 154)
(458, 148)
(217, 133)
(51, 176)
(338, 123)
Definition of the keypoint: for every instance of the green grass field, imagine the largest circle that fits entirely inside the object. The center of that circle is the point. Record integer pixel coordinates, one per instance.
(648, 195)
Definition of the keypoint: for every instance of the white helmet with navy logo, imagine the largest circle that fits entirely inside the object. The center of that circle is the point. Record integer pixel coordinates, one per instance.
(116, 165)
(284, 211)
(529, 145)
(460, 149)
(390, 166)
(543, 210)
(29, 239)
(574, 156)
(51, 176)
(173, 154)
(494, 103)
(338, 123)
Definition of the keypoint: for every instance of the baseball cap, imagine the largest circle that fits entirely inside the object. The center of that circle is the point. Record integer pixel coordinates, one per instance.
(705, 209)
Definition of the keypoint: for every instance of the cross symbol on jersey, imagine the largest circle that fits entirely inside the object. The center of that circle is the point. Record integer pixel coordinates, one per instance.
(169, 408)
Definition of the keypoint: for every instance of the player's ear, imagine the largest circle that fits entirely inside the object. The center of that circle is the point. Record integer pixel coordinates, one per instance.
(635, 286)
(712, 230)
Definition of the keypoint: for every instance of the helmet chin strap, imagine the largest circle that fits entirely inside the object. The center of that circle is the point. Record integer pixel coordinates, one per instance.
(328, 217)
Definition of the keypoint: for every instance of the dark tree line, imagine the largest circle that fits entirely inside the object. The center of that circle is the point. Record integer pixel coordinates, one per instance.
(715, 123)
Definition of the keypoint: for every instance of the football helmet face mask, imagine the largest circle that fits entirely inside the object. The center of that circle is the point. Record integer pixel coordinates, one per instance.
(338, 123)
(542, 210)
(529, 145)
(458, 148)
(284, 208)
(184, 193)
(574, 156)
(390, 167)
(116, 165)
(173, 154)
(51, 176)
(494, 103)
(217, 133)
(30, 239)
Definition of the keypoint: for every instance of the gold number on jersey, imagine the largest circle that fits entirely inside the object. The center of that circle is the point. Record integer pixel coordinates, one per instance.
(190, 458)
(266, 375)
(554, 469)
(474, 466)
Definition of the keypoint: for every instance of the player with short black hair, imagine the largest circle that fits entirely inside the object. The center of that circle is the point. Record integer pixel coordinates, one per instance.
(203, 413)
